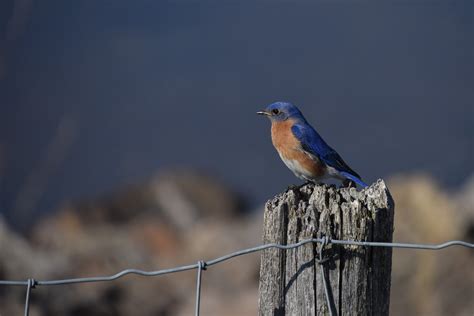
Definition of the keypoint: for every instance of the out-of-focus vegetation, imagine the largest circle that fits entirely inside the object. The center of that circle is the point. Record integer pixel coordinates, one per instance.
(181, 216)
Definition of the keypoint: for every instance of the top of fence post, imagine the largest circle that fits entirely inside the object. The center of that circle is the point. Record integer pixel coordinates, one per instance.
(358, 278)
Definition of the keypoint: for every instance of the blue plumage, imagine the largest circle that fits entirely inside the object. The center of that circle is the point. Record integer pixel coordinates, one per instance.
(314, 144)
(311, 142)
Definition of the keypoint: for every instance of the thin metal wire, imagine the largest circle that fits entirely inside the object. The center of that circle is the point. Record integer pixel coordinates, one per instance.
(103, 278)
(237, 254)
(240, 253)
(201, 265)
(322, 261)
(31, 284)
(404, 245)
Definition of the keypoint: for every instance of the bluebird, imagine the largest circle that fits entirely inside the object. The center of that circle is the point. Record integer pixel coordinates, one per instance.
(302, 149)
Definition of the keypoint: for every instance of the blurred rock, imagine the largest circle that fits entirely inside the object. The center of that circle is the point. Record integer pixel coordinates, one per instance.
(431, 282)
(176, 218)
(184, 197)
(20, 261)
(180, 217)
(465, 206)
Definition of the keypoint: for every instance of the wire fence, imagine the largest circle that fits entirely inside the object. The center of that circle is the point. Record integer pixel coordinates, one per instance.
(202, 265)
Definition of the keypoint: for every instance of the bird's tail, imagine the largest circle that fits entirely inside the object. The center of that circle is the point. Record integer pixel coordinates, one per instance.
(355, 179)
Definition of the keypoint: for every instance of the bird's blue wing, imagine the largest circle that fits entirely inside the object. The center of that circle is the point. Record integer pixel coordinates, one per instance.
(315, 145)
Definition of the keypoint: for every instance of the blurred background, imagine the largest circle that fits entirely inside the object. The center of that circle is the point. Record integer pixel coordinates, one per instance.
(128, 138)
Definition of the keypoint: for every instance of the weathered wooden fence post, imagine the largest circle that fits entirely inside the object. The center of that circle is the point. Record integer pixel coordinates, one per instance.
(358, 278)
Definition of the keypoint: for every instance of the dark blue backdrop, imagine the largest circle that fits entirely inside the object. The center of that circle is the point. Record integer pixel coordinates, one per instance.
(141, 85)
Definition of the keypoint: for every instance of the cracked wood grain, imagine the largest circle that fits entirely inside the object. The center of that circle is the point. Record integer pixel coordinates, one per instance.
(359, 277)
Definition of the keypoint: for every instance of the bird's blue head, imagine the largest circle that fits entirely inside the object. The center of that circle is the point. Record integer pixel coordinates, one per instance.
(281, 111)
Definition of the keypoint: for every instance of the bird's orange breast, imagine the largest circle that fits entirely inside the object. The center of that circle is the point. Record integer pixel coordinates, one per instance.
(282, 137)
(289, 148)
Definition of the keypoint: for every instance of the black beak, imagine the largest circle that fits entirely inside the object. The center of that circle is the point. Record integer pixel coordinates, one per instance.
(263, 113)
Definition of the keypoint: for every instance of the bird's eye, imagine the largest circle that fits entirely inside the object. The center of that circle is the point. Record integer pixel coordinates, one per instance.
(275, 111)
